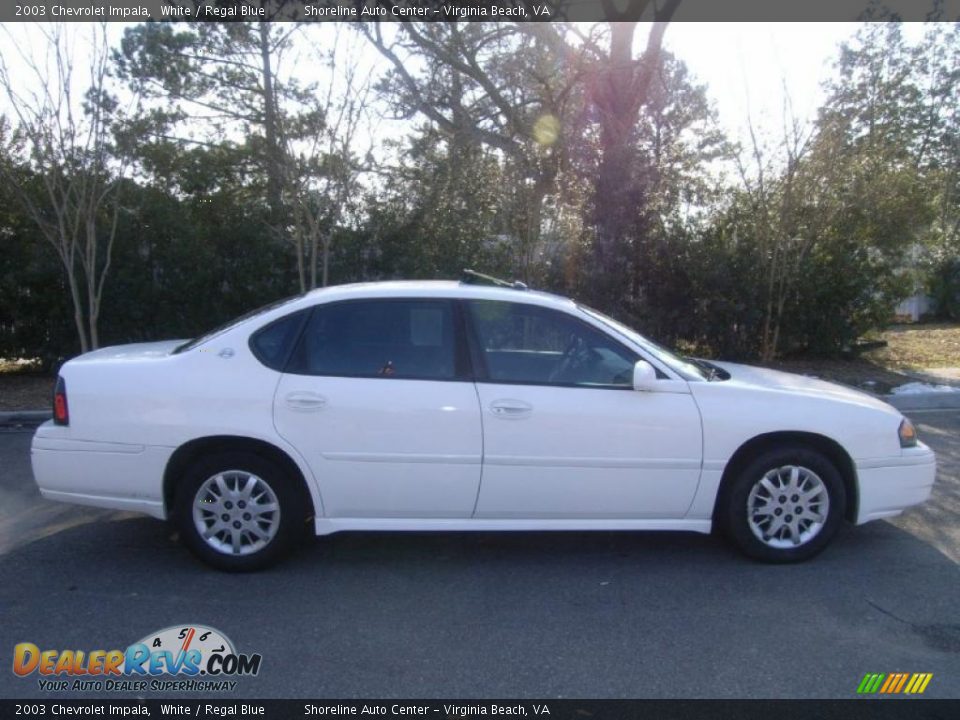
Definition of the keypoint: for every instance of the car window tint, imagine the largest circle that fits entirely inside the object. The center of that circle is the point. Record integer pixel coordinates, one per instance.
(536, 345)
(272, 344)
(411, 339)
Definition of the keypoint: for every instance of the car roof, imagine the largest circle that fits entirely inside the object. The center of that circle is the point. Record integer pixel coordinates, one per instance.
(434, 288)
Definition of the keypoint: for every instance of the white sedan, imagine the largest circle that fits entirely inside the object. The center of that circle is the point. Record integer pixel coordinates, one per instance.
(460, 406)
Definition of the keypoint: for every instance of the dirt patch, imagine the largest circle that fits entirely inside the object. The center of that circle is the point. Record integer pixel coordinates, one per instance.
(917, 347)
(25, 391)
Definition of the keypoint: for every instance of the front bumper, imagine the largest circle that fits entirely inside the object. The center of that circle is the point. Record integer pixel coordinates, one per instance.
(888, 486)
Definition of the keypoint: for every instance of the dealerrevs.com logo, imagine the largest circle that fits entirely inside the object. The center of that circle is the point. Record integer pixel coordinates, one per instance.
(178, 658)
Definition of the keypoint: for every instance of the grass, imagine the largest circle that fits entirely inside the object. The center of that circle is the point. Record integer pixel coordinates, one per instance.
(910, 351)
(919, 347)
(11, 367)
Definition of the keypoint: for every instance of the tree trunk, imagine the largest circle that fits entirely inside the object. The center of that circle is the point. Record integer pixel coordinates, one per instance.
(301, 270)
(621, 90)
(271, 133)
(78, 319)
(327, 241)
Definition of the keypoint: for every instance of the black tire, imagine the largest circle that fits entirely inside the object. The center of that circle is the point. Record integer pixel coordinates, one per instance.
(293, 511)
(735, 520)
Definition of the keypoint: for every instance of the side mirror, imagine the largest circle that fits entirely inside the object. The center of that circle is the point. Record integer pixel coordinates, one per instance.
(644, 376)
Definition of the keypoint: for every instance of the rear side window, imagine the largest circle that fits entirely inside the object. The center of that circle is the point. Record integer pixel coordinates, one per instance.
(412, 339)
(272, 344)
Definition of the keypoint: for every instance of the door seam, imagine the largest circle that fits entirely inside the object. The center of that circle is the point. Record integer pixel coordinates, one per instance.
(483, 447)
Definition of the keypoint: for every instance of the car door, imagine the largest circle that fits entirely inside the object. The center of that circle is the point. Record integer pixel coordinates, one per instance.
(377, 398)
(565, 434)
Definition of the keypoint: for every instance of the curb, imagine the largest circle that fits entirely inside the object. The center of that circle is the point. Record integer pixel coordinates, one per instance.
(24, 417)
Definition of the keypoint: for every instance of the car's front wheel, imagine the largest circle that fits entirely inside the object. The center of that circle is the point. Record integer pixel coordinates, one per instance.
(784, 506)
(238, 511)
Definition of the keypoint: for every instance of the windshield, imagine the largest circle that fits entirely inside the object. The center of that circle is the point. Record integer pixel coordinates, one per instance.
(190, 344)
(686, 368)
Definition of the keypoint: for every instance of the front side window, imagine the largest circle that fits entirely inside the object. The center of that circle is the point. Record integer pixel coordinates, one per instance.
(412, 339)
(535, 345)
(678, 364)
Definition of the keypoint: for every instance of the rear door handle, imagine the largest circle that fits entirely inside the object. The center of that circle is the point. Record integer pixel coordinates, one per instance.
(305, 401)
(511, 408)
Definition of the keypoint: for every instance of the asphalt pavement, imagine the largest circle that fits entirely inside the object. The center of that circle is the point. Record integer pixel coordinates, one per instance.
(513, 615)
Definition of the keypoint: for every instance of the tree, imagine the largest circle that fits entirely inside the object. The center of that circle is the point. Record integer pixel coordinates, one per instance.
(619, 88)
(819, 226)
(67, 143)
(870, 152)
(36, 319)
(775, 195)
(937, 62)
(509, 88)
(437, 212)
(324, 171)
(224, 79)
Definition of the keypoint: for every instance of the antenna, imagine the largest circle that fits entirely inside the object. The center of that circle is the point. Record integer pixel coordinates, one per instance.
(472, 277)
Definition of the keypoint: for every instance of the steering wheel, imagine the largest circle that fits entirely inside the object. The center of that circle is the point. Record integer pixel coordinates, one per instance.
(576, 355)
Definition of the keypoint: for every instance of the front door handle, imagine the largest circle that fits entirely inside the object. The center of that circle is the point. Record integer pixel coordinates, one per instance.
(305, 401)
(511, 408)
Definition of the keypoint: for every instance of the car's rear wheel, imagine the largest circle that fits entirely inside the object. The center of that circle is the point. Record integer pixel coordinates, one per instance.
(238, 511)
(784, 506)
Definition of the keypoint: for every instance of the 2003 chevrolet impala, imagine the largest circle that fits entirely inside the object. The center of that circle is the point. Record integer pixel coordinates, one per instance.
(464, 406)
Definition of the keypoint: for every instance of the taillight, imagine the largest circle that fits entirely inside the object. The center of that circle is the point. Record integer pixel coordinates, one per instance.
(61, 413)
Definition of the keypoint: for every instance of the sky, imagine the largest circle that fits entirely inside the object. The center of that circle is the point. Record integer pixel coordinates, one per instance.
(745, 65)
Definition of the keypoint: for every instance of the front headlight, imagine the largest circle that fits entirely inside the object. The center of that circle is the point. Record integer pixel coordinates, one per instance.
(908, 434)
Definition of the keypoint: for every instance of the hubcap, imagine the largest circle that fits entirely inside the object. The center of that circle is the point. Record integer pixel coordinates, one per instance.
(236, 512)
(788, 507)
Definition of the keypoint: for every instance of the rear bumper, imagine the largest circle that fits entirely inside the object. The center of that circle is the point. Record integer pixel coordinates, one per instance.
(888, 486)
(117, 476)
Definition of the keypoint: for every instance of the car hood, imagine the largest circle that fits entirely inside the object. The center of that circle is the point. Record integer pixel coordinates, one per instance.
(767, 379)
(134, 351)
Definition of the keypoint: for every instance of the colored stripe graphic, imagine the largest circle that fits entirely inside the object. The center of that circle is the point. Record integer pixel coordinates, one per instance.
(870, 683)
(918, 683)
(913, 681)
(894, 683)
(903, 681)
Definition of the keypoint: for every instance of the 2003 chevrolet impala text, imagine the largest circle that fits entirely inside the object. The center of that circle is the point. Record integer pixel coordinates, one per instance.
(459, 406)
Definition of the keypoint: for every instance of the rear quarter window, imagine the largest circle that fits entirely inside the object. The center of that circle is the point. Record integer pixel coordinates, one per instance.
(271, 345)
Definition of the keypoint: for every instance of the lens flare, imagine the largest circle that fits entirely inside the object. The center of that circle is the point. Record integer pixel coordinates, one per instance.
(546, 130)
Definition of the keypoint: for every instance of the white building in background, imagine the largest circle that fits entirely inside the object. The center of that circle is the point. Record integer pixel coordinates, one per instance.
(919, 303)
(915, 306)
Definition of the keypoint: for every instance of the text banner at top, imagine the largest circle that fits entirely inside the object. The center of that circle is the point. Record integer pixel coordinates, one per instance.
(192, 11)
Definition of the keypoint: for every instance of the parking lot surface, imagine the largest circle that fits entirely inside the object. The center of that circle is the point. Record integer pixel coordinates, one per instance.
(525, 615)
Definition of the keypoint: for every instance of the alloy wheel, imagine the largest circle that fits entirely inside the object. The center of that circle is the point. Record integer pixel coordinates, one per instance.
(788, 507)
(236, 512)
